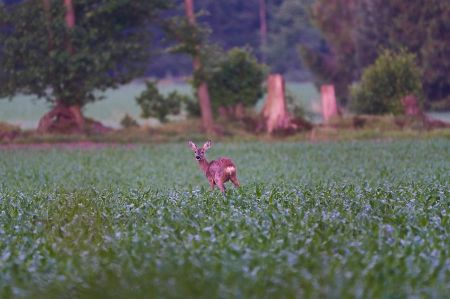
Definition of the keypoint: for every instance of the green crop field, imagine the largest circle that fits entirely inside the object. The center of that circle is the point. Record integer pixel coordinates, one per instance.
(365, 219)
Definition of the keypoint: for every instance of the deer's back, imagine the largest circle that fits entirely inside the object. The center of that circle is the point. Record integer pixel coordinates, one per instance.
(222, 166)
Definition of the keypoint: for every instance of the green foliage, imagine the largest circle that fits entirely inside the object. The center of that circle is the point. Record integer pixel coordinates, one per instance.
(383, 84)
(236, 79)
(356, 30)
(189, 37)
(337, 63)
(154, 104)
(233, 77)
(294, 106)
(192, 107)
(319, 220)
(290, 25)
(128, 122)
(109, 45)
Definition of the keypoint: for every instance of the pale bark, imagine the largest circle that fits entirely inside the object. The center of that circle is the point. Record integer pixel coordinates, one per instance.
(70, 14)
(329, 106)
(411, 106)
(275, 111)
(202, 91)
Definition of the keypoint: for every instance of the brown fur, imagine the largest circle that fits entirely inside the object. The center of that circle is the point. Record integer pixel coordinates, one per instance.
(219, 171)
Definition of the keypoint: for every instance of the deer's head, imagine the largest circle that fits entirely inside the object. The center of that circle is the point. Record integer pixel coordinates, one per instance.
(199, 152)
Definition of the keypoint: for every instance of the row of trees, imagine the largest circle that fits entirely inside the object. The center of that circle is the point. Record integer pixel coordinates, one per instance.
(337, 39)
(356, 31)
(65, 50)
(271, 28)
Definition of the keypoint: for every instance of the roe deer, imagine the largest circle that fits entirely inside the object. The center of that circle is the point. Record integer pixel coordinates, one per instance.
(217, 171)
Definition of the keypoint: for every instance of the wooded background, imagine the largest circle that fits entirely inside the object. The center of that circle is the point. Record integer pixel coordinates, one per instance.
(77, 47)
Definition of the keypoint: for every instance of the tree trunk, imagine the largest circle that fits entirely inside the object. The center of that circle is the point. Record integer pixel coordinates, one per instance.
(70, 14)
(70, 21)
(263, 27)
(411, 106)
(275, 112)
(329, 106)
(47, 6)
(202, 91)
(62, 119)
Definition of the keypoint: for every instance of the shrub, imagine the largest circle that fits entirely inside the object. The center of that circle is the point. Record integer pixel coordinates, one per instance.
(294, 106)
(385, 83)
(192, 107)
(154, 104)
(237, 78)
(128, 122)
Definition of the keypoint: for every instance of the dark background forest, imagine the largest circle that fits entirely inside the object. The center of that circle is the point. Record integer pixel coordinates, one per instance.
(329, 41)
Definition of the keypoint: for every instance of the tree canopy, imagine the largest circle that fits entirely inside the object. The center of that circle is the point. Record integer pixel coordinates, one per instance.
(40, 55)
(357, 30)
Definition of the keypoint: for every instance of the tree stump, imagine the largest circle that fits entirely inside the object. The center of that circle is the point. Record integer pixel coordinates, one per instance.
(411, 106)
(413, 111)
(275, 112)
(328, 99)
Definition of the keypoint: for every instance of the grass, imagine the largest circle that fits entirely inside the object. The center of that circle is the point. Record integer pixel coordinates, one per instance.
(359, 219)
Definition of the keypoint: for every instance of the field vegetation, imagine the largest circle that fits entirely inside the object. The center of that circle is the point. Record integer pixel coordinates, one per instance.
(364, 219)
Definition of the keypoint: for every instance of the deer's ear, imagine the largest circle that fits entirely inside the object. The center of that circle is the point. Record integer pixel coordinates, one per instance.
(207, 145)
(192, 145)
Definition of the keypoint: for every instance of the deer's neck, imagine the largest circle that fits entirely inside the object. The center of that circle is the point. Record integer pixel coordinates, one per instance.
(204, 165)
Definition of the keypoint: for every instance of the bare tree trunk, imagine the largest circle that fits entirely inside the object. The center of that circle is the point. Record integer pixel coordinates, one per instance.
(411, 106)
(62, 118)
(202, 92)
(263, 27)
(70, 14)
(329, 106)
(275, 111)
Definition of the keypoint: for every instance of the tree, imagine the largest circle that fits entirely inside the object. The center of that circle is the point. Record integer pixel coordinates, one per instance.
(49, 53)
(386, 83)
(275, 115)
(202, 89)
(235, 23)
(336, 65)
(356, 31)
(290, 26)
(263, 26)
(154, 104)
(236, 80)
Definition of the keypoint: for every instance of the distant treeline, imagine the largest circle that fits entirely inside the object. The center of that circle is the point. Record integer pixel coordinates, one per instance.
(325, 41)
(237, 23)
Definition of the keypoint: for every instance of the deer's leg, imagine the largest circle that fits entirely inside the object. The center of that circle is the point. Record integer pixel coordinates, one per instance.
(235, 181)
(220, 183)
(221, 186)
(211, 183)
